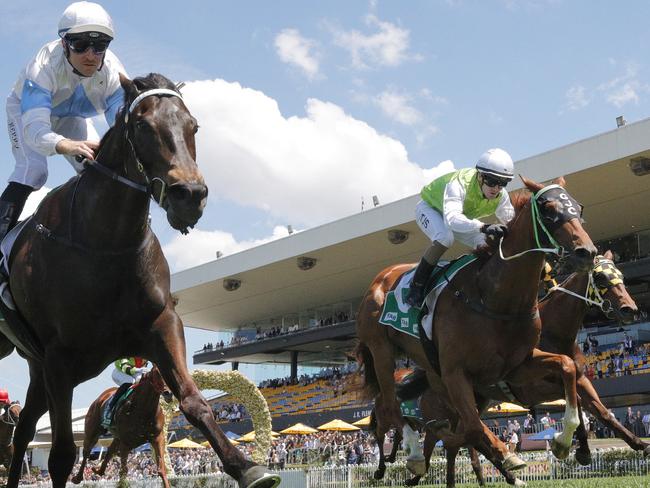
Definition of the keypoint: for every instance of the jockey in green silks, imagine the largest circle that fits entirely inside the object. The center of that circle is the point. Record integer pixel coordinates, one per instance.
(451, 207)
(127, 372)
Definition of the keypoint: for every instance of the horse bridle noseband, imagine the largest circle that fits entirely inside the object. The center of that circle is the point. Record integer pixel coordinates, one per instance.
(571, 209)
(148, 187)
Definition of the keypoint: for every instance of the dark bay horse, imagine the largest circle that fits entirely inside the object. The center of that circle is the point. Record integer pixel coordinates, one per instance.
(486, 324)
(89, 277)
(562, 312)
(138, 420)
(8, 422)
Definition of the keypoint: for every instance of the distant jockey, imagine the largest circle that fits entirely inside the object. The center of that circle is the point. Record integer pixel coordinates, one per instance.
(4, 400)
(127, 372)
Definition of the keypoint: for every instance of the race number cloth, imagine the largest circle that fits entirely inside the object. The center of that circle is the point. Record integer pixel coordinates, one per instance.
(400, 316)
(411, 408)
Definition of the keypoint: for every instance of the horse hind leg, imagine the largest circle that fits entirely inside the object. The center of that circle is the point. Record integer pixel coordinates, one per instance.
(167, 350)
(583, 454)
(110, 452)
(35, 407)
(91, 436)
(158, 445)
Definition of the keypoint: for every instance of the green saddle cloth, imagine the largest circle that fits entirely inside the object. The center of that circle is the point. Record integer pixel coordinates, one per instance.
(399, 315)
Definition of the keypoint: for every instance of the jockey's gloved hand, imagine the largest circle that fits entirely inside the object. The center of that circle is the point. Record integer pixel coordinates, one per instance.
(496, 230)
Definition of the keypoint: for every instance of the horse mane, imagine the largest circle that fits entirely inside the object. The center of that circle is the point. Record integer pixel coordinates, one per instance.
(519, 199)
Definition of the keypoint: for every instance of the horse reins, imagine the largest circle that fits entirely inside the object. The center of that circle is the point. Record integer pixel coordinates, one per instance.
(148, 187)
(95, 164)
(569, 212)
(594, 294)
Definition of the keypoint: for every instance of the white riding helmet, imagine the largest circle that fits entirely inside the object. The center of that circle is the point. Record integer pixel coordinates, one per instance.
(82, 17)
(496, 162)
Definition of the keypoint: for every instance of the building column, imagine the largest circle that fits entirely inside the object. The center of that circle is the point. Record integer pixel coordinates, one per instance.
(235, 365)
(294, 365)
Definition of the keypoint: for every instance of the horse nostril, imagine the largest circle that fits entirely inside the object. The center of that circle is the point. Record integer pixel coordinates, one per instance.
(585, 254)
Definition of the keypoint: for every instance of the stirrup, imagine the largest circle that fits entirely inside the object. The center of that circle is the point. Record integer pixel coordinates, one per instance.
(415, 296)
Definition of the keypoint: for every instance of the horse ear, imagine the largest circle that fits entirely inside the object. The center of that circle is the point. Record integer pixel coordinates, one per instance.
(129, 87)
(560, 181)
(530, 184)
(608, 254)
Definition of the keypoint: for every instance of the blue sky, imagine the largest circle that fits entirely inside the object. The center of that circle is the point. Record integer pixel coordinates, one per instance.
(307, 107)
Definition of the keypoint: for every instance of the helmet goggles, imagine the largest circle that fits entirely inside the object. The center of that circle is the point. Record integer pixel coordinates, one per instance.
(494, 181)
(92, 40)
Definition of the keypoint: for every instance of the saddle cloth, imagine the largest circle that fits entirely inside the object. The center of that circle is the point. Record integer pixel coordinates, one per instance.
(8, 242)
(404, 318)
(108, 412)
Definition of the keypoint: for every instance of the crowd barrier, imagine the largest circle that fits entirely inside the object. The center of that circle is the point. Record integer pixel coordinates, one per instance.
(541, 467)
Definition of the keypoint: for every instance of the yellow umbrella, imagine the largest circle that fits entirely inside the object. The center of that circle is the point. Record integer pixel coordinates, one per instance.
(298, 429)
(186, 444)
(506, 407)
(339, 425)
(364, 422)
(250, 437)
(555, 403)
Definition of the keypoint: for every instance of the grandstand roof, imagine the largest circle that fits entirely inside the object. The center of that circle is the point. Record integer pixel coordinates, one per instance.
(350, 251)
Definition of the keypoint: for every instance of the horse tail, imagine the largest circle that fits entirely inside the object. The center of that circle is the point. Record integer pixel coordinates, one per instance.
(413, 385)
(370, 384)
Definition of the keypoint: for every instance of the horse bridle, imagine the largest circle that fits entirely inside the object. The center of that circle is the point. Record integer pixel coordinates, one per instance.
(571, 209)
(594, 294)
(8, 417)
(148, 187)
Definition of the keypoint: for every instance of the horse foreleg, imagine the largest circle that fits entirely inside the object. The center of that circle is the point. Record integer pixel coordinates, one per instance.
(167, 350)
(379, 432)
(430, 440)
(472, 431)
(158, 445)
(591, 403)
(124, 465)
(91, 436)
(543, 363)
(35, 407)
(110, 452)
(583, 454)
(476, 466)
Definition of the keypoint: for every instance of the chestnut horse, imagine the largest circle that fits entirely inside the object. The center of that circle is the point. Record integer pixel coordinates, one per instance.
(90, 280)
(136, 421)
(8, 422)
(562, 311)
(486, 325)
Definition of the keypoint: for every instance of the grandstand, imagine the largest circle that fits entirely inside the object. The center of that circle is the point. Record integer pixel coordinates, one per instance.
(292, 301)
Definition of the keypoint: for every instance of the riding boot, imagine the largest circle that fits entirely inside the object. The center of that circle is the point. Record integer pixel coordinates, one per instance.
(12, 202)
(423, 272)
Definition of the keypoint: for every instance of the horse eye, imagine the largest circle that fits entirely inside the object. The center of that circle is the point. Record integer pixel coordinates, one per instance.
(196, 128)
(142, 125)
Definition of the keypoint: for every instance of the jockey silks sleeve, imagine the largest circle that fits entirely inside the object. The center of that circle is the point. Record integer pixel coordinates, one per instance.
(48, 90)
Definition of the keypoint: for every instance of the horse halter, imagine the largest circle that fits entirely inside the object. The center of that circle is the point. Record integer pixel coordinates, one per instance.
(148, 187)
(569, 209)
(603, 276)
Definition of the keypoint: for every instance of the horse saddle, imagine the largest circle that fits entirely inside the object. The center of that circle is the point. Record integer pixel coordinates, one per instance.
(404, 318)
(112, 404)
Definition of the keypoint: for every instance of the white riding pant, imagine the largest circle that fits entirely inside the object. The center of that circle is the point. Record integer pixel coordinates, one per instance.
(433, 225)
(31, 167)
(120, 377)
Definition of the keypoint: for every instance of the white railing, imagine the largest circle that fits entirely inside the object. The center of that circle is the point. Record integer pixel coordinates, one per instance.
(541, 466)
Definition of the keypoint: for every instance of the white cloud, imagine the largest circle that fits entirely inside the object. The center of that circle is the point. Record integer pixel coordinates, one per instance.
(624, 94)
(205, 244)
(306, 170)
(576, 97)
(387, 47)
(294, 49)
(398, 106)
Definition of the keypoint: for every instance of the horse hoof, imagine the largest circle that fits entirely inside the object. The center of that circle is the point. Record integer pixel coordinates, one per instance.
(559, 451)
(259, 477)
(519, 482)
(390, 459)
(583, 456)
(646, 451)
(512, 462)
(413, 481)
(379, 474)
(76, 480)
(417, 466)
